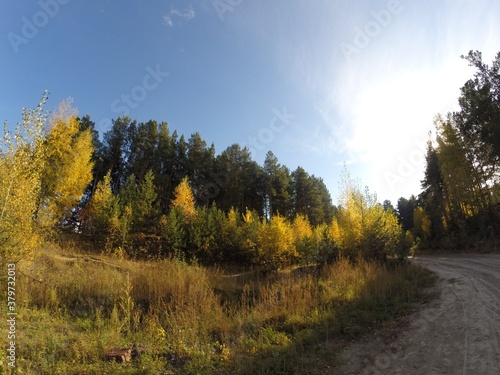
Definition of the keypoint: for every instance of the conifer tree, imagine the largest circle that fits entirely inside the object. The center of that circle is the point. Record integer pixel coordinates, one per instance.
(144, 203)
(103, 207)
(173, 233)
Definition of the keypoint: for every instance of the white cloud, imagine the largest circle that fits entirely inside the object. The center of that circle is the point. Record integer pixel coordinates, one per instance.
(168, 21)
(187, 14)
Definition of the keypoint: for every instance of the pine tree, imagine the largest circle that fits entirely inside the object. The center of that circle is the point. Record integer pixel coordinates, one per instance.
(116, 151)
(103, 207)
(200, 162)
(164, 162)
(173, 233)
(432, 196)
(307, 196)
(277, 186)
(241, 181)
(143, 140)
(479, 118)
(144, 203)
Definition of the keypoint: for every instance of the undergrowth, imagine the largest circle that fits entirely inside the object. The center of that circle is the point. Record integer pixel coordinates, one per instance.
(187, 319)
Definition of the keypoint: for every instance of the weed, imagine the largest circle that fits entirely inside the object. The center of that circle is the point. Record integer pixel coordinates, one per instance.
(191, 319)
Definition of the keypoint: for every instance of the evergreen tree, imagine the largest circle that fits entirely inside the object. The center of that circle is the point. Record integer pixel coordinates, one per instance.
(164, 158)
(144, 208)
(180, 165)
(173, 233)
(277, 186)
(405, 209)
(206, 236)
(329, 210)
(242, 187)
(200, 163)
(143, 140)
(478, 121)
(116, 150)
(307, 197)
(432, 196)
(102, 208)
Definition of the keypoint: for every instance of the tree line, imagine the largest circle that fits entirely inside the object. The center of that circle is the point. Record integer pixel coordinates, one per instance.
(155, 194)
(130, 150)
(143, 191)
(460, 200)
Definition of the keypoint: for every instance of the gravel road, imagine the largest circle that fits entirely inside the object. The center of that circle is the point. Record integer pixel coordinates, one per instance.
(456, 333)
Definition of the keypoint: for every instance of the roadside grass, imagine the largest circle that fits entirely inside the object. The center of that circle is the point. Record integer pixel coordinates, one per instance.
(188, 319)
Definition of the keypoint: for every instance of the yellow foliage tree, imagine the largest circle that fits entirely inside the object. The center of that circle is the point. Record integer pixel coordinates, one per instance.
(303, 239)
(67, 168)
(275, 243)
(301, 228)
(363, 228)
(102, 208)
(249, 234)
(422, 223)
(184, 199)
(462, 182)
(21, 164)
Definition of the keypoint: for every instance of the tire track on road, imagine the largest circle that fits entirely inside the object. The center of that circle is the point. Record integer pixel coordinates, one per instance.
(456, 333)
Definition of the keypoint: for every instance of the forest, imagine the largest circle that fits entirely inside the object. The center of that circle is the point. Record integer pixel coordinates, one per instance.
(132, 234)
(459, 206)
(145, 193)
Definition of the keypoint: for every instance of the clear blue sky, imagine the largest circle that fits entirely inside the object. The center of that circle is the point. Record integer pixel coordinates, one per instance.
(317, 82)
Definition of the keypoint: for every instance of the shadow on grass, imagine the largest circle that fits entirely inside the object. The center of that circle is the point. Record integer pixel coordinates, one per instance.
(314, 346)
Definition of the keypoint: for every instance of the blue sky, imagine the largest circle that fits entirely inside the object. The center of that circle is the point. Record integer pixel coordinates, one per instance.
(318, 82)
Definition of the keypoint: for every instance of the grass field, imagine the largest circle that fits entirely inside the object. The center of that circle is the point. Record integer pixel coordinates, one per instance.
(74, 305)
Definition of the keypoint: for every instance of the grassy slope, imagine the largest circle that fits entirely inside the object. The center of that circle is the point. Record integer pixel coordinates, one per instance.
(188, 319)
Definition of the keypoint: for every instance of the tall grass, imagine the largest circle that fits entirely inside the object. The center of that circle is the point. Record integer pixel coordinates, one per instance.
(190, 319)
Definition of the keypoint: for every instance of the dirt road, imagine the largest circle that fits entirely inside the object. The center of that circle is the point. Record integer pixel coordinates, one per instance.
(456, 333)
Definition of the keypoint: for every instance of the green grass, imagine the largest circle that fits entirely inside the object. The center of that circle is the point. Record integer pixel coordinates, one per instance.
(188, 319)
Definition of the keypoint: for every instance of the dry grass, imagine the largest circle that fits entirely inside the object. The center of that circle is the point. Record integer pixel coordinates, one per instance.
(190, 319)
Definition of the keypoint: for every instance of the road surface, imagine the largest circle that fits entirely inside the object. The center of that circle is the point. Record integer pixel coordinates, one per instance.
(457, 333)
